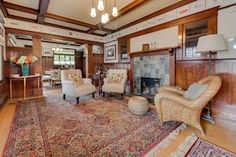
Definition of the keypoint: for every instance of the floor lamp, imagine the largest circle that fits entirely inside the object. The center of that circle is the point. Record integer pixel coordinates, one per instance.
(210, 44)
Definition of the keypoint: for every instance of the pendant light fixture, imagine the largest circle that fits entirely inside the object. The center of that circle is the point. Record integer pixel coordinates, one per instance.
(103, 6)
(93, 10)
(100, 5)
(114, 10)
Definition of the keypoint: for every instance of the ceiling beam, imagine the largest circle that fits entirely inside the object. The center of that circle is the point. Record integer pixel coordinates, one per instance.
(3, 8)
(20, 8)
(129, 7)
(43, 7)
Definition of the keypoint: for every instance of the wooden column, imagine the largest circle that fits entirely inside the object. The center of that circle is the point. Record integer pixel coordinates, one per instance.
(90, 60)
(37, 51)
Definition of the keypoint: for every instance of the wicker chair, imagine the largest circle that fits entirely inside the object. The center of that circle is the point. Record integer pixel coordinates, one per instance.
(171, 105)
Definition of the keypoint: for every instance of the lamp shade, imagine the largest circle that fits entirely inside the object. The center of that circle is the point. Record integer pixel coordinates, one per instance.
(211, 43)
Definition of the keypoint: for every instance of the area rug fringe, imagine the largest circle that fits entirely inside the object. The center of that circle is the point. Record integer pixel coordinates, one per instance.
(185, 146)
(155, 151)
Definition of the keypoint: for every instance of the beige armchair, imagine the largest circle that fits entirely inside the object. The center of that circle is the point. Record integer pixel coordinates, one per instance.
(171, 105)
(115, 82)
(74, 85)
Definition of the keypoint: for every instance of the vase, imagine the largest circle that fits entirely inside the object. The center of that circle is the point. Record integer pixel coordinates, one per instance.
(25, 70)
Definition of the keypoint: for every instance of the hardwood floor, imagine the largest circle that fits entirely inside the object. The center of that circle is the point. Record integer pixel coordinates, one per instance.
(222, 133)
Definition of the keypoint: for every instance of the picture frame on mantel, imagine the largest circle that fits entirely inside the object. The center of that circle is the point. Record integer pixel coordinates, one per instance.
(110, 53)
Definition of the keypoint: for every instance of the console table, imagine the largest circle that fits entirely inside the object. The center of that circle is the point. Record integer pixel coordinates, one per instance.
(24, 79)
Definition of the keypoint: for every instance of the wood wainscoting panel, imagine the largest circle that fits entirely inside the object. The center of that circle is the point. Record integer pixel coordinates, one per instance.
(224, 105)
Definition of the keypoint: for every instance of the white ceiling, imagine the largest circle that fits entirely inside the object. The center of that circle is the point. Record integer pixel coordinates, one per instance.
(22, 14)
(80, 10)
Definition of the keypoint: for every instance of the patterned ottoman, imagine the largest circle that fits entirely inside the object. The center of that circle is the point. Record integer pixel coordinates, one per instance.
(138, 105)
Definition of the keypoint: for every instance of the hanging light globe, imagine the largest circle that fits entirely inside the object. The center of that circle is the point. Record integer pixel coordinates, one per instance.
(100, 5)
(114, 11)
(93, 12)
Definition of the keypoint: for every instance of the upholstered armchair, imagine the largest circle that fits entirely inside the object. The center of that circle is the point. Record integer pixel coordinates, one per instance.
(171, 104)
(115, 82)
(74, 85)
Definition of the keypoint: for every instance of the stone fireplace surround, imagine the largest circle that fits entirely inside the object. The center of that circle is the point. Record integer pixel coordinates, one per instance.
(152, 69)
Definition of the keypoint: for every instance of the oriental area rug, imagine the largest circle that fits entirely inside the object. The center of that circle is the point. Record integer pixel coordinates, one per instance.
(197, 147)
(52, 127)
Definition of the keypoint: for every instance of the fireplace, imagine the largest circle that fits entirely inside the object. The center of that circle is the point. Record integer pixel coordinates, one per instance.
(149, 74)
(149, 86)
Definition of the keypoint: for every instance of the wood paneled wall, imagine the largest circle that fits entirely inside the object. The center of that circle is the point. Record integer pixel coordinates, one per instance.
(224, 104)
(3, 92)
(94, 60)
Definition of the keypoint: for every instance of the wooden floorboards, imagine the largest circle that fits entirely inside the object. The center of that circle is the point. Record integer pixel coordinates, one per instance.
(222, 133)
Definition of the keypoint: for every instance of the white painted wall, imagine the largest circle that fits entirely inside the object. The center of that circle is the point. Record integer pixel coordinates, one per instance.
(111, 44)
(227, 27)
(164, 38)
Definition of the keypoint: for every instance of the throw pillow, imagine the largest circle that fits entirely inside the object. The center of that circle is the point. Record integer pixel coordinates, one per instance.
(76, 78)
(114, 78)
(194, 91)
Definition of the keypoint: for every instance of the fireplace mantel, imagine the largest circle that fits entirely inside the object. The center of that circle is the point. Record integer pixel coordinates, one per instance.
(171, 51)
(161, 51)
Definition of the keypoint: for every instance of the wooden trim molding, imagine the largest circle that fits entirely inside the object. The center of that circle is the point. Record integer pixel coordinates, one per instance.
(198, 16)
(20, 8)
(168, 50)
(50, 36)
(157, 13)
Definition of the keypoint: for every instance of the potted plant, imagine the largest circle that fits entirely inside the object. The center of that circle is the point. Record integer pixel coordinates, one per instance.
(24, 62)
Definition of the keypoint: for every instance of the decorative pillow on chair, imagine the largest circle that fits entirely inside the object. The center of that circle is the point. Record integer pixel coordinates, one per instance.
(114, 78)
(194, 91)
(76, 78)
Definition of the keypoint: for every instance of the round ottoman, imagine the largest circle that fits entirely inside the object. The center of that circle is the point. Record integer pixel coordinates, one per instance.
(138, 105)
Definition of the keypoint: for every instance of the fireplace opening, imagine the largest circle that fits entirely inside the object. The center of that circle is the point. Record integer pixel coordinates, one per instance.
(149, 86)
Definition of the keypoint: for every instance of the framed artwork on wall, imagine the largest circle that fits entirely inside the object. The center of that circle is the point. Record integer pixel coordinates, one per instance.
(97, 49)
(47, 52)
(110, 53)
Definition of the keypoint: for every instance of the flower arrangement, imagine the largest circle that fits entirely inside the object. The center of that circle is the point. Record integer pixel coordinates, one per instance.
(23, 60)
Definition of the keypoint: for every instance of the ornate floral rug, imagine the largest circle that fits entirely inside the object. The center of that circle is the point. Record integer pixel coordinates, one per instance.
(53, 127)
(197, 147)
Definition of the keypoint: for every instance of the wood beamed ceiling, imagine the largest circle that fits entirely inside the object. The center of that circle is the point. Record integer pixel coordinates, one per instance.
(41, 13)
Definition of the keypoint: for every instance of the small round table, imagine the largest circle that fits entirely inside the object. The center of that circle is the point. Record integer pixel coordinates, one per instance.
(138, 105)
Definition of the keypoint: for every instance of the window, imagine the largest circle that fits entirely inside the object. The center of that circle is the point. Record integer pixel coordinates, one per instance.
(64, 57)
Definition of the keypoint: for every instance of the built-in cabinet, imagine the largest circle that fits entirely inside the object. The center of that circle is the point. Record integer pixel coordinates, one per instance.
(192, 32)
